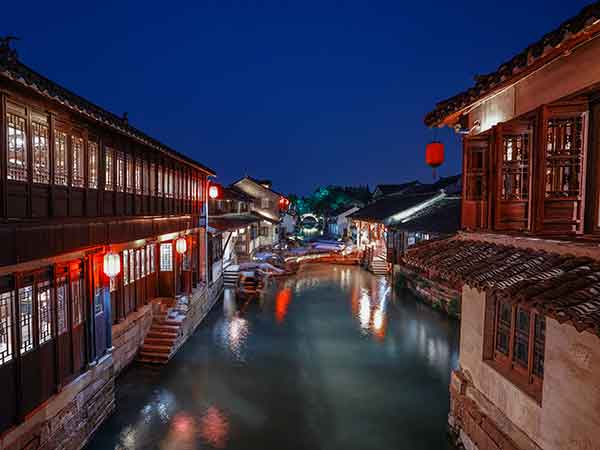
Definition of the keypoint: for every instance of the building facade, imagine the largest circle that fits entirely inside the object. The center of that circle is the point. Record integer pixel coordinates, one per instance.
(77, 182)
(527, 260)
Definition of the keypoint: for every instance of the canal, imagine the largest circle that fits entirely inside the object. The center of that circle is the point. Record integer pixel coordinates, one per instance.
(328, 359)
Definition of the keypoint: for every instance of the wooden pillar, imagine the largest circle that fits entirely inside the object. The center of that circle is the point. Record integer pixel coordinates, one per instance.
(3, 156)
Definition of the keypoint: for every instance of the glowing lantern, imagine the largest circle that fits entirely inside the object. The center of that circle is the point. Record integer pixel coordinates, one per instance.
(283, 203)
(434, 155)
(213, 191)
(181, 245)
(111, 264)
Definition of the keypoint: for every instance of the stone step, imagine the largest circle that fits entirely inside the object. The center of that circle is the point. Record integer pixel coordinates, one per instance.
(160, 341)
(161, 335)
(153, 358)
(164, 328)
(158, 349)
(169, 322)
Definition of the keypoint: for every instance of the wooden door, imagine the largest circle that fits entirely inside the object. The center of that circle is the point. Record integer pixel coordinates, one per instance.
(476, 181)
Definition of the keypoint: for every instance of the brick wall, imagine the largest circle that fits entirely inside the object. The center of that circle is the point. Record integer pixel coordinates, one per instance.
(128, 336)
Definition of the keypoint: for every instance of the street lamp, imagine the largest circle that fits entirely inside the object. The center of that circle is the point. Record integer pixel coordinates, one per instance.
(111, 264)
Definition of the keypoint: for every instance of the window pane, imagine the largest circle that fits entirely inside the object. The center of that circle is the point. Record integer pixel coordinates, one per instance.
(503, 328)
(152, 184)
(108, 163)
(26, 318)
(6, 327)
(166, 257)
(130, 179)
(17, 148)
(138, 176)
(77, 160)
(77, 300)
(538, 345)
(125, 267)
(146, 181)
(515, 167)
(61, 300)
(159, 187)
(120, 184)
(41, 156)
(60, 158)
(92, 165)
(132, 266)
(564, 150)
(521, 350)
(45, 310)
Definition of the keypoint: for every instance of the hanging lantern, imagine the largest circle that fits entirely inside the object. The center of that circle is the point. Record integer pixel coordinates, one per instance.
(213, 191)
(111, 264)
(181, 245)
(434, 155)
(283, 203)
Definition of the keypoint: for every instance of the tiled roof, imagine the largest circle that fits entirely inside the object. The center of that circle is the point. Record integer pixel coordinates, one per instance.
(441, 217)
(383, 209)
(387, 189)
(572, 30)
(564, 287)
(232, 222)
(11, 68)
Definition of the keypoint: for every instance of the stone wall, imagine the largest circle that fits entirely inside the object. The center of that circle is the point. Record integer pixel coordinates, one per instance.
(489, 412)
(128, 336)
(68, 419)
(433, 292)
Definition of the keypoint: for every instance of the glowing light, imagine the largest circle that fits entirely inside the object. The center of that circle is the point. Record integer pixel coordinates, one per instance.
(111, 264)
(282, 303)
(364, 312)
(214, 427)
(213, 191)
(181, 245)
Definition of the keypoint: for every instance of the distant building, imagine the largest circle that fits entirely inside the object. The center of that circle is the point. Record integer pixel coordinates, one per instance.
(338, 222)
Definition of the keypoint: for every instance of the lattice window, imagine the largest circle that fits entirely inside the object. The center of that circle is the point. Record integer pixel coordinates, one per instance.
(109, 181)
(146, 181)
(41, 152)
(17, 147)
(138, 176)
(521, 341)
(143, 268)
(125, 267)
(151, 263)
(92, 165)
(77, 161)
(515, 167)
(62, 292)
(539, 342)
(44, 311)
(503, 328)
(152, 184)
(564, 154)
(130, 174)
(132, 276)
(6, 327)
(476, 167)
(26, 318)
(159, 186)
(138, 264)
(60, 158)
(77, 299)
(166, 257)
(120, 181)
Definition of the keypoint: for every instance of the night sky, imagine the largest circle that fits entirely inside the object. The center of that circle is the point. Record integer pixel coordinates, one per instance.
(302, 93)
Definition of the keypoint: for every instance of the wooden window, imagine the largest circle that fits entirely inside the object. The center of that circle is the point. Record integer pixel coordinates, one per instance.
(143, 267)
(146, 178)
(172, 183)
(515, 167)
(132, 276)
(60, 158)
(166, 257)
(26, 318)
(92, 165)
(130, 174)
(120, 181)
(62, 295)
(564, 155)
(159, 186)
(518, 345)
(152, 184)
(45, 310)
(109, 181)
(475, 176)
(98, 293)
(150, 256)
(138, 176)
(125, 258)
(17, 147)
(77, 302)
(41, 150)
(77, 161)
(6, 327)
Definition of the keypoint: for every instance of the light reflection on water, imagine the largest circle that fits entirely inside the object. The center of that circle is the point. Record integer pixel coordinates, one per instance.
(330, 358)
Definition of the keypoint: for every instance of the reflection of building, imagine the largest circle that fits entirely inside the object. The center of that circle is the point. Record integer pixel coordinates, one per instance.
(527, 263)
(76, 182)
(267, 204)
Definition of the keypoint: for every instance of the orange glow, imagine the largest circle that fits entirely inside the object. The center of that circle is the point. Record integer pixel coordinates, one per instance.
(213, 191)
(282, 303)
(214, 427)
(434, 154)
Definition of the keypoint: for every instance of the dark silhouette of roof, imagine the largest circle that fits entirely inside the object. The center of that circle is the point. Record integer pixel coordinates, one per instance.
(385, 207)
(442, 217)
(233, 222)
(388, 189)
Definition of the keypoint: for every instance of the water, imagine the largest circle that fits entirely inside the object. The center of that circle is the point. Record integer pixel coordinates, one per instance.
(329, 359)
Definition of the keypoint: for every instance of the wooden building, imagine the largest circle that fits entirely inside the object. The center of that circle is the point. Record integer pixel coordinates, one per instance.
(76, 182)
(527, 262)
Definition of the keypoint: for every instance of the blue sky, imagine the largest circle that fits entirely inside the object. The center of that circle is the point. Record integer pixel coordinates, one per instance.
(305, 93)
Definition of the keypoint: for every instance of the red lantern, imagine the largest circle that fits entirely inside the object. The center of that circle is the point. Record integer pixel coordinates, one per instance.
(434, 155)
(213, 191)
(283, 203)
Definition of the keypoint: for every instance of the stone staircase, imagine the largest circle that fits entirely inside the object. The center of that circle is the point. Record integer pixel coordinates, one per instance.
(378, 264)
(231, 274)
(162, 338)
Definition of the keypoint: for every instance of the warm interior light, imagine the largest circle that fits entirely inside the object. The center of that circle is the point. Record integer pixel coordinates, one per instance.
(111, 264)
(181, 245)
(213, 191)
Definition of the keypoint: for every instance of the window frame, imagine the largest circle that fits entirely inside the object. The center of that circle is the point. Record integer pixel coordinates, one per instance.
(40, 158)
(17, 172)
(61, 157)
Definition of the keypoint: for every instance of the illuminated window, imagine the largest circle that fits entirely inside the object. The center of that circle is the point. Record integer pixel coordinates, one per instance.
(41, 152)
(77, 161)
(166, 257)
(109, 181)
(26, 318)
(6, 327)
(77, 300)
(143, 267)
(132, 276)
(120, 182)
(93, 165)
(44, 311)
(564, 154)
(17, 148)
(60, 158)
(515, 167)
(138, 264)
(138, 176)
(130, 174)
(151, 264)
(146, 181)
(62, 291)
(159, 186)
(125, 267)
